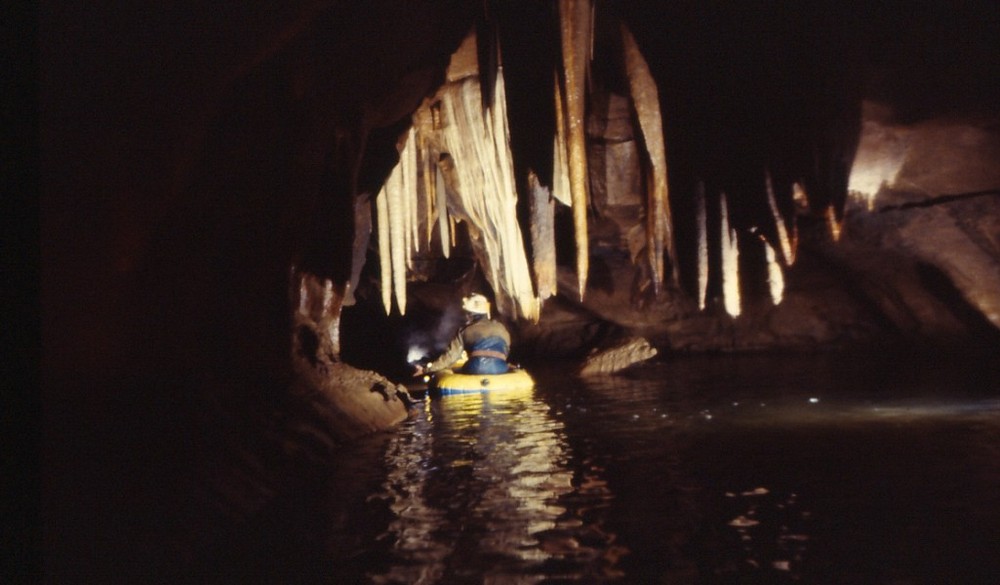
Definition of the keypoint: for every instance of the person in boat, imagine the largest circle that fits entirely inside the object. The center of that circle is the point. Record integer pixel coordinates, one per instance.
(485, 341)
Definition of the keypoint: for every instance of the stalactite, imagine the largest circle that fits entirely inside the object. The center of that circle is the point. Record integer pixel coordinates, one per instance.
(730, 262)
(413, 188)
(384, 253)
(543, 245)
(470, 146)
(702, 245)
(484, 186)
(775, 276)
(575, 28)
(397, 236)
(468, 150)
(833, 223)
(428, 171)
(500, 133)
(788, 254)
(444, 233)
(560, 149)
(800, 197)
(408, 187)
(645, 98)
(332, 303)
(801, 201)
(362, 211)
(453, 231)
(482, 175)
(362, 235)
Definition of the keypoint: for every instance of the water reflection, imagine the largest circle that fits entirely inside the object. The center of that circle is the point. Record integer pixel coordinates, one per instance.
(478, 485)
(723, 470)
(764, 470)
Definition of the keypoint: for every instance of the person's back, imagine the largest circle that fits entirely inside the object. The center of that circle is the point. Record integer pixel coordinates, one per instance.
(486, 342)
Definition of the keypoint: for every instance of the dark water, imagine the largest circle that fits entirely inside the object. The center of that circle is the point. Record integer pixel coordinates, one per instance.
(821, 469)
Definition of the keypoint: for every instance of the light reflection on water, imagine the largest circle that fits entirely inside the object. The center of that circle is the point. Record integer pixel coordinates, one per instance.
(699, 471)
(474, 484)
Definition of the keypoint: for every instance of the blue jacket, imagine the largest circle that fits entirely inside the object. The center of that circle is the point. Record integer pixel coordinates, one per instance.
(487, 344)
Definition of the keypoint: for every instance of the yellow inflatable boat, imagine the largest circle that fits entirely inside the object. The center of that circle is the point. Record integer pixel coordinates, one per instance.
(450, 382)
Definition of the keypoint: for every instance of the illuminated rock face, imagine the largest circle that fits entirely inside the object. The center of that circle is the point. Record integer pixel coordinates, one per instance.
(927, 192)
(608, 361)
(335, 389)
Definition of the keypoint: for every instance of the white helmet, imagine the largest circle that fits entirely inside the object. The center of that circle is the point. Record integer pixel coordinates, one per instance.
(477, 304)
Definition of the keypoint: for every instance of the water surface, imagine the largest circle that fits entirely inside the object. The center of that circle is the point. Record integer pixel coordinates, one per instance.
(727, 469)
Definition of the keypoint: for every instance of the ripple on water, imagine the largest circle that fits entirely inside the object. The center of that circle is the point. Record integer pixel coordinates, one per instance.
(729, 470)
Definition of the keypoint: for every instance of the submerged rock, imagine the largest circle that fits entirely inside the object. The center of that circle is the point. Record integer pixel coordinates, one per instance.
(348, 403)
(619, 357)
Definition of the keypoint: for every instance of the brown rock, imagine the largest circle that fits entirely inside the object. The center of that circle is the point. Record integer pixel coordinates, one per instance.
(619, 357)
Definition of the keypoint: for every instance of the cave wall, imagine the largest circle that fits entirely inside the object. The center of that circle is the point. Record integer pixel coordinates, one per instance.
(191, 159)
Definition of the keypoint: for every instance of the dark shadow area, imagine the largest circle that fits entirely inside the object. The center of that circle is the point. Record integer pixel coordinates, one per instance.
(981, 330)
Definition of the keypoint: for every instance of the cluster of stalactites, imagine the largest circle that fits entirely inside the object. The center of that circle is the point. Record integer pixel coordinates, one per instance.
(779, 255)
(570, 177)
(456, 166)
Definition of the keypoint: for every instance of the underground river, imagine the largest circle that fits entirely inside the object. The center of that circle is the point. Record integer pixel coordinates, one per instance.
(718, 469)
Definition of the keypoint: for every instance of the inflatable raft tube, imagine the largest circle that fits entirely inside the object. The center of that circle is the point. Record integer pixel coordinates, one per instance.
(448, 382)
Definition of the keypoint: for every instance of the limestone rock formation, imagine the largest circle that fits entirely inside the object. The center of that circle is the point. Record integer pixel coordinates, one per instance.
(352, 402)
(614, 359)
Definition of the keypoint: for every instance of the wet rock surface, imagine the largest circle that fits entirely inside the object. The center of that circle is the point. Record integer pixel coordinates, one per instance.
(617, 358)
(350, 402)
